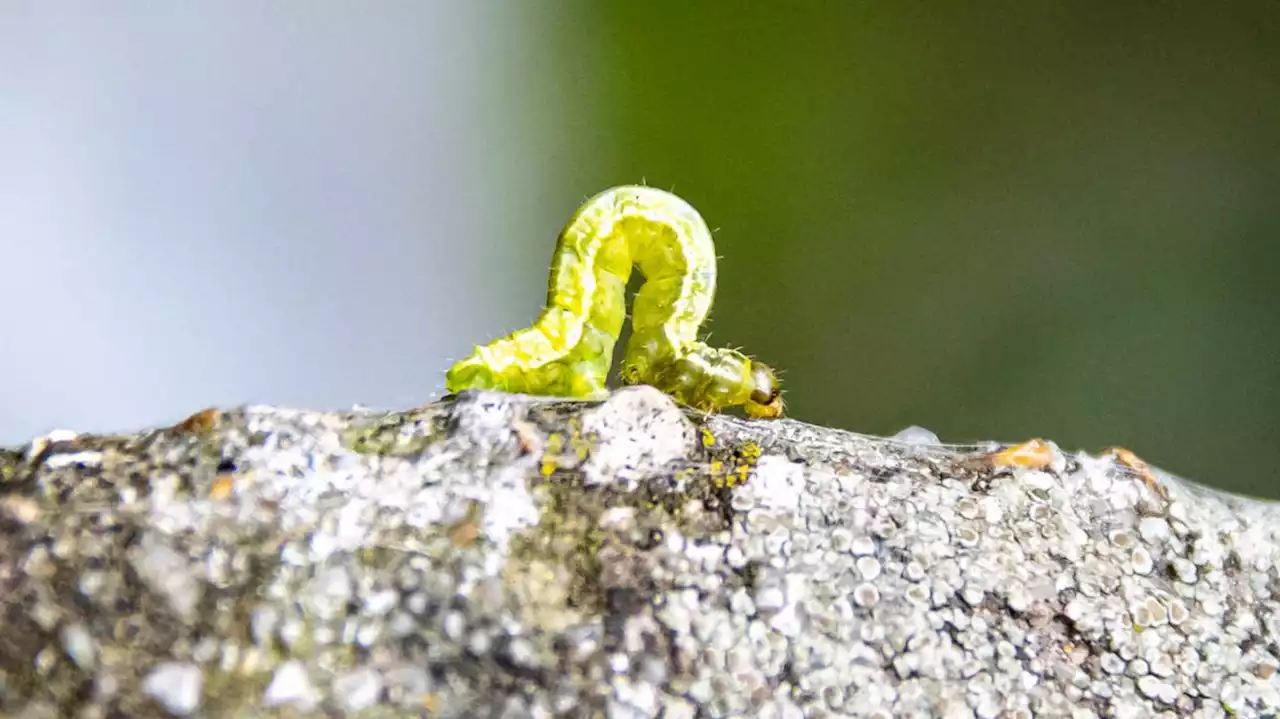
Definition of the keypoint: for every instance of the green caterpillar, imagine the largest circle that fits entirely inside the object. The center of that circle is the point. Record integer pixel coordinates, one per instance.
(569, 349)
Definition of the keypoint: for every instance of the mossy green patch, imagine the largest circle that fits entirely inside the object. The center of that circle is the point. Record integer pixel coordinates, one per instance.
(401, 434)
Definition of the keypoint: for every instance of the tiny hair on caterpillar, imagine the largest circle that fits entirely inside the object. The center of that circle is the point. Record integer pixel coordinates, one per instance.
(568, 350)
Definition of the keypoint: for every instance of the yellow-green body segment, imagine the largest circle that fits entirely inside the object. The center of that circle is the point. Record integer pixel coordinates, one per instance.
(569, 349)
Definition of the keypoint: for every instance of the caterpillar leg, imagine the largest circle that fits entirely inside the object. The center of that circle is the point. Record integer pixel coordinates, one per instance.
(707, 378)
(510, 365)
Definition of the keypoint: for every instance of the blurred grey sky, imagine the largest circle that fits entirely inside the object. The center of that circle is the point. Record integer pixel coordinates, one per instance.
(219, 203)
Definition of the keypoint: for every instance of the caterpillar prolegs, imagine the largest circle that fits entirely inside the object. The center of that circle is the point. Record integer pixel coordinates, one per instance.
(569, 349)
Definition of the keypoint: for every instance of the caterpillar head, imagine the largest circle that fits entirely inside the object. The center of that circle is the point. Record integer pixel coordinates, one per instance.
(765, 401)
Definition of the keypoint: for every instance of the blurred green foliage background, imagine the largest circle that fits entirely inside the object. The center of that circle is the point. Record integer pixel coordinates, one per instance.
(1044, 219)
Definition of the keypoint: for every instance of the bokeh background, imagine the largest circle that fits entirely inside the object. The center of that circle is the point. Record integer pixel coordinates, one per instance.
(997, 221)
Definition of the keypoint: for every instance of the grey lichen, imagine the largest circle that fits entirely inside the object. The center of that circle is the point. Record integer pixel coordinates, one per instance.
(496, 555)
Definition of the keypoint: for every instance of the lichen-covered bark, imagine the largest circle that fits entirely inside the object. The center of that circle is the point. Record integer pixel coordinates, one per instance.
(500, 555)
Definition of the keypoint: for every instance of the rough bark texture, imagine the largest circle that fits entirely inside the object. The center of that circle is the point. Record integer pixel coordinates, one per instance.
(499, 555)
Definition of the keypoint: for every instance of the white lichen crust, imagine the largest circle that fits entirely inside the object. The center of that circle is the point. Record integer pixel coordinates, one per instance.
(507, 556)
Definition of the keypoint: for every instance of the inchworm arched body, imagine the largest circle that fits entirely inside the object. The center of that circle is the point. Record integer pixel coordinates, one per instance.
(569, 349)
